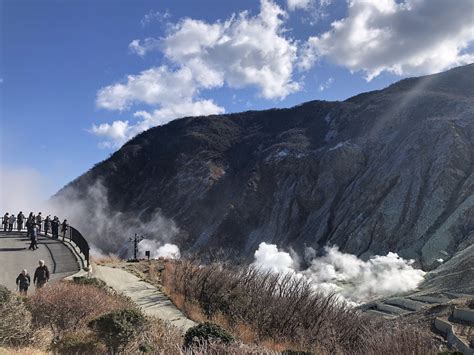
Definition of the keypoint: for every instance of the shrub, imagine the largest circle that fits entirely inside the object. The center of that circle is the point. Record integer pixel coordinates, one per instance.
(156, 336)
(282, 310)
(205, 332)
(91, 281)
(235, 348)
(5, 294)
(67, 306)
(470, 303)
(118, 328)
(15, 319)
(78, 342)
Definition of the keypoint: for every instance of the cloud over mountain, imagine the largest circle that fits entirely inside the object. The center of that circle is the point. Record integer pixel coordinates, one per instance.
(258, 51)
(405, 38)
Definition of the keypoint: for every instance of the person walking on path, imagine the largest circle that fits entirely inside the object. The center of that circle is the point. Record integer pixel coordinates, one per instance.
(33, 238)
(41, 275)
(30, 222)
(6, 217)
(11, 222)
(20, 219)
(47, 224)
(55, 227)
(23, 281)
(39, 221)
(64, 227)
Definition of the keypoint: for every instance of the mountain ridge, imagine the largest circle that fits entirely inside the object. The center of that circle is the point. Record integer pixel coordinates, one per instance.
(388, 170)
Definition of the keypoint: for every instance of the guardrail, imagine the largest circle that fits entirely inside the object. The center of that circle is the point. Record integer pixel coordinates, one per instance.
(71, 234)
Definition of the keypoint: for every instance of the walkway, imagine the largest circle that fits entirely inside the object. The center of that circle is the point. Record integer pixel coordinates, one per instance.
(152, 301)
(15, 256)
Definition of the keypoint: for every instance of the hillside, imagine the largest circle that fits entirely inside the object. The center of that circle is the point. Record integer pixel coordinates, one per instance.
(389, 170)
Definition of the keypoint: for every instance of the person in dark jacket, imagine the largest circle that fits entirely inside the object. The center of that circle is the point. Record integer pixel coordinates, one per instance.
(20, 219)
(41, 275)
(30, 222)
(23, 281)
(39, 221)
(47, 224)
(55, 227)
(33, 238)
(11, 222)
(64, 227)
(6, 217)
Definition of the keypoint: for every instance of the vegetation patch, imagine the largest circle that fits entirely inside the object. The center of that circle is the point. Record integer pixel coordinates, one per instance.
(206, 332)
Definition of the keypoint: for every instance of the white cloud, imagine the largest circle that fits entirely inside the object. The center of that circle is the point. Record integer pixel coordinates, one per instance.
(326, 85)
(142, 47)
(244, 51)
(118, 132)
(155, 86)
(298, 4)
(405, 38)
(155, 16)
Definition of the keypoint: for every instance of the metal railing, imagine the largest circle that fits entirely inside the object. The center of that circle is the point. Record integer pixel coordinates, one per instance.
(71, 234)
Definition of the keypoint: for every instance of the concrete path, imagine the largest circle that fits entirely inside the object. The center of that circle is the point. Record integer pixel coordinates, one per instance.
(152, 301)
(15, 256)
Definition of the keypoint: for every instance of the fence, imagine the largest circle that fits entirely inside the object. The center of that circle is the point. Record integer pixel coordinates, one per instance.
(71, 234)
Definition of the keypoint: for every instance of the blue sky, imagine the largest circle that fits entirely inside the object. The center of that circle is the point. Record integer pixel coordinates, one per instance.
(78, 78)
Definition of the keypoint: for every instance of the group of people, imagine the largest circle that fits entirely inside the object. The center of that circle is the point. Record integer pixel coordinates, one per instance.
(40, 278)
(34, 225)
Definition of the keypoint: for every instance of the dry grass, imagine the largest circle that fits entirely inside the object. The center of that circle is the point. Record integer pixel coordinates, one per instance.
(111, 259)
(67, 306)
(15, 320)
(159, 337)
(22, 351)
(282, 313)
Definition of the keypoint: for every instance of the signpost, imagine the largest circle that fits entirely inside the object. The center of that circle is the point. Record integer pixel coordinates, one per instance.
(136, 239)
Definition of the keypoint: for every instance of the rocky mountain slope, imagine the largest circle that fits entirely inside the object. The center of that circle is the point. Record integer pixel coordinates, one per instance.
(388, 170)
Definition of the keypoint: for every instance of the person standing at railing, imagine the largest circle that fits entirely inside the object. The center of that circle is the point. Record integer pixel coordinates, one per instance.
(11, 222)
(47, 224)
(6, 216)
(20, 219)
(55, 227)
(64, 227)
(39, 221)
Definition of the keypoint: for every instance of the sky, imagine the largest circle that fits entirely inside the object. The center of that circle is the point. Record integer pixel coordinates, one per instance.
(78, 78)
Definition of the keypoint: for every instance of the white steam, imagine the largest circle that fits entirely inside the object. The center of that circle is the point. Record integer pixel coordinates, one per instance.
(107, 230)
(158, 250)
(89, 211)
(267, 257)
(354, 279)
(22, 188)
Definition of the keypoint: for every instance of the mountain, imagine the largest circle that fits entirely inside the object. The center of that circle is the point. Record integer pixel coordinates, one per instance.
(387, 170)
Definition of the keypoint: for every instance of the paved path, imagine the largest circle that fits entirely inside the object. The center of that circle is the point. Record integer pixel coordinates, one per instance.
(15, 256)
(152, 301)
